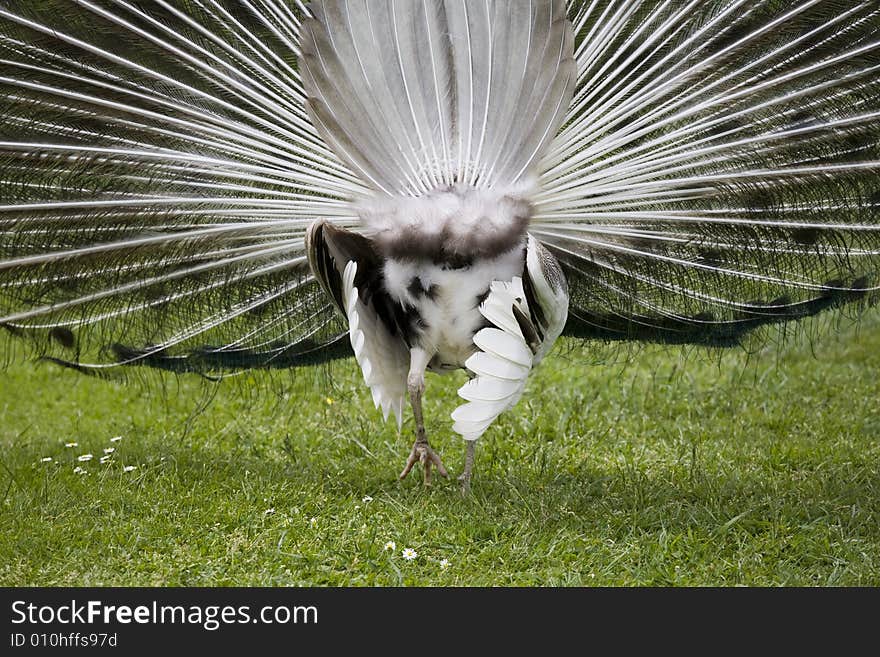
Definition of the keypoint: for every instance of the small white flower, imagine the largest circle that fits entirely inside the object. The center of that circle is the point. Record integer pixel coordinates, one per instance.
(313, 522)
(104, 459)
(46, 459)
(444, 563)
(391, 546)
(84, 457)
(129, 468)
(71, 444)
(366, 499)
(409, 554)
(115, 439)
(80, 471)
(109, 450)
(269, 511)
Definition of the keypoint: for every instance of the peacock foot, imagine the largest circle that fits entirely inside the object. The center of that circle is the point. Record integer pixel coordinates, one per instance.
(464, 481)
(422, 453)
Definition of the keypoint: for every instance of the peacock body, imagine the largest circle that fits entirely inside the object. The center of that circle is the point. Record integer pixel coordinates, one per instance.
(213, 186)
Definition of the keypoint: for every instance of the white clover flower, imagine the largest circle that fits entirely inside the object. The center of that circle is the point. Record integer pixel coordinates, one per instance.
(115, 439)
(46, 459)
(109, 450)
(129, 468)
(71, 444)
(80, 471)
(84, 457)
(444, 563)
(409, 554)
(391, 546)
(366, 499)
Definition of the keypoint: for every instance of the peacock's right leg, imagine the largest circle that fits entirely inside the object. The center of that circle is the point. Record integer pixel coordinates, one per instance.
(465, 477)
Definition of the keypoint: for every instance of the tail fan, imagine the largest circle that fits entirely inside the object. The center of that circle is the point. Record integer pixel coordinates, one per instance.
(703, 168)
(158, 172)
(420, 95)
(718, 168)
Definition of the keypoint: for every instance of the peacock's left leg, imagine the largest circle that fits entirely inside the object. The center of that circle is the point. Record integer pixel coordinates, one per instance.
(421, 451)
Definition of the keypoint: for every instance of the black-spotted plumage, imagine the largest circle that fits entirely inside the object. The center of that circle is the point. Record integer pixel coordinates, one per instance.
(478, 177)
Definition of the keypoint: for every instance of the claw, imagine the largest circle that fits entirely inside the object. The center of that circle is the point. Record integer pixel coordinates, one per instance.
(422, 453)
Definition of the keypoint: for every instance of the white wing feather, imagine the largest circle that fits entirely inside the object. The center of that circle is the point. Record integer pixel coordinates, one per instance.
(551, 294)
(384, 360)
(501, 366)
(504, 359)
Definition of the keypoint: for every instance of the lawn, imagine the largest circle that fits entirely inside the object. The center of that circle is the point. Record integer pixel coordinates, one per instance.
(655, 467)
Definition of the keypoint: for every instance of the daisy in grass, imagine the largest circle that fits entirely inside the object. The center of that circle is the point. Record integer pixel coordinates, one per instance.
(409, 554)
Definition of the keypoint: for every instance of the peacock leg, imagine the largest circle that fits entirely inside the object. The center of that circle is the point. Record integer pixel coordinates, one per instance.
(421, 451)
(465, 477)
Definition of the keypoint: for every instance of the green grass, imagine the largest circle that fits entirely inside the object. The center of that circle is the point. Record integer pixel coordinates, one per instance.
(662, 469)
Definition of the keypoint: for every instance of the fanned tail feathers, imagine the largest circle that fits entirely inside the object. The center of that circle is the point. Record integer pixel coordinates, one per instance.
(416, 96)
(699, 169)
(718, 168)
(157, 175)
